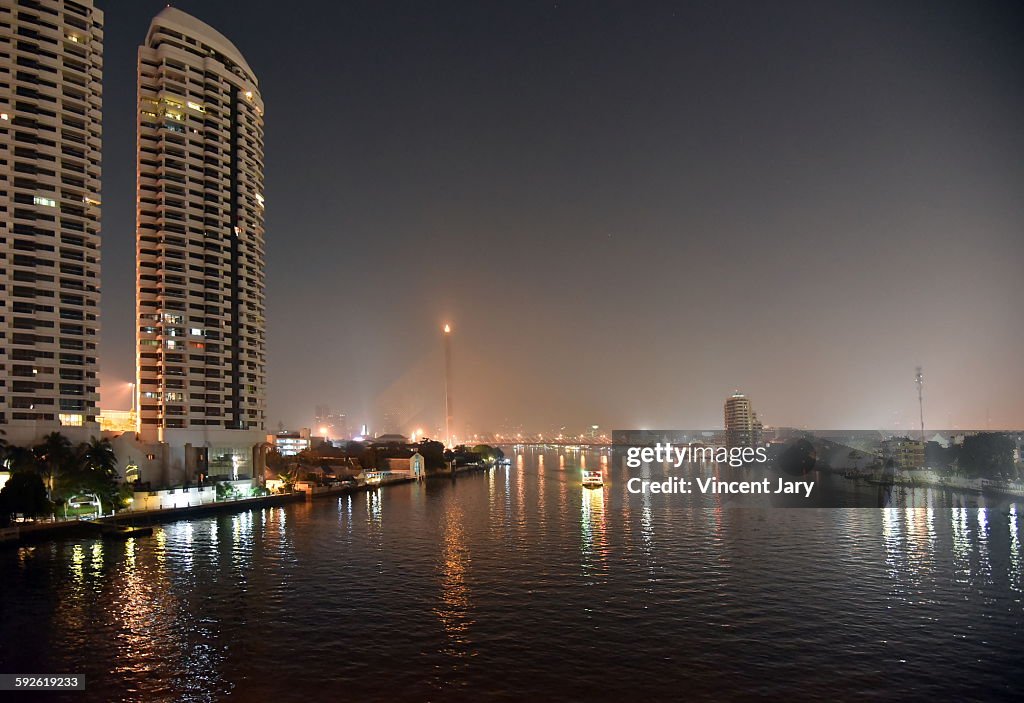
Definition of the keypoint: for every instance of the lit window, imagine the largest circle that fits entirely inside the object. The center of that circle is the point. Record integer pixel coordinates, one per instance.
(174, 115)
(171, 344)
(48, 202)
(175, 396)
(149, 343)
(73, 37)
(196, 332)
(259, 199)
(71, 420)
(196, 345)
(150, 395)
(174, 319)
(196, 106)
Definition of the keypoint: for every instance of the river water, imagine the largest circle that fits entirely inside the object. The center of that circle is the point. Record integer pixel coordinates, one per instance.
(520, 584)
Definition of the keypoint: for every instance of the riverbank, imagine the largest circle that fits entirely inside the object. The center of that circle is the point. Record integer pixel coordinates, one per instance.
(34, 532)
(926, 478)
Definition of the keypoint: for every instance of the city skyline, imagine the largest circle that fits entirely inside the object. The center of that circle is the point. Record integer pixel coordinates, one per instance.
(804, 261)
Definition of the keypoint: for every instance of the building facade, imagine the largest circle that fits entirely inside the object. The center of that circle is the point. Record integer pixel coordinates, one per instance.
(905, 453)
(291, 442)
(51, 64)
(201, 362)
(742, 428)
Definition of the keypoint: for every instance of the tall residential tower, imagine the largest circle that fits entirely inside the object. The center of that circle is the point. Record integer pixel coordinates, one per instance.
(51, 63)
(200, 256)
(742, 428)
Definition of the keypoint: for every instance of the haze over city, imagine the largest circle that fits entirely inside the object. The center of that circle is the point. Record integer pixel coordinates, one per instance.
(499, 351)
(626, 211)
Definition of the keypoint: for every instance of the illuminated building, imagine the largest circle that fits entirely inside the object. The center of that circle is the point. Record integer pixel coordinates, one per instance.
(290, 442)
(742, 428)
(200, 257)
(117, 420)
(905, 453)
(51, 64)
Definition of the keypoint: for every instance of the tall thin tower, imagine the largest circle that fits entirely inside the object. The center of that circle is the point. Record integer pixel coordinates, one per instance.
(919, 380)
(448, 385)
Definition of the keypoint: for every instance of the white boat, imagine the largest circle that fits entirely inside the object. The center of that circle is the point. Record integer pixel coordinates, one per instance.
(592, 479)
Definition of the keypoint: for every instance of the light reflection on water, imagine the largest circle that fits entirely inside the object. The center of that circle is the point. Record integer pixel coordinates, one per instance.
(594, 545)
(453, 609)
(497, 586)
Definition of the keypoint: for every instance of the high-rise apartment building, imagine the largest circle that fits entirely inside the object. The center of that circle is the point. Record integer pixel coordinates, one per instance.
(742, 428)
(200, 255)
(51, 63)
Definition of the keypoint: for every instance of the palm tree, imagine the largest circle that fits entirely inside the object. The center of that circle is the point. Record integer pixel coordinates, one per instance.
(95, 472)
(19, 458)
(98, 454)
(53, 457)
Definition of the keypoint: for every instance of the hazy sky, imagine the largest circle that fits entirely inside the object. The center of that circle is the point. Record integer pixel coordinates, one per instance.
(626, 209)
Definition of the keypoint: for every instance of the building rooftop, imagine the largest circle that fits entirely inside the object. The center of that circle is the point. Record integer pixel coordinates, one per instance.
(174, 19)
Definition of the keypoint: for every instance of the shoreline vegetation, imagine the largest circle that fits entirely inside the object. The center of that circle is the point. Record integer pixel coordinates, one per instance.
(301, 481)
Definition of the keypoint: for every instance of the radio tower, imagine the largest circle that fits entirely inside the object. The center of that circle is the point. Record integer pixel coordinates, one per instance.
(919, 380)
(447, 385)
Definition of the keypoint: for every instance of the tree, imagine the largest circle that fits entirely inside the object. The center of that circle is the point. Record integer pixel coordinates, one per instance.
(987, 455)
(98, 454)
(488, 455)
(433, 454)
(20, 459)
(938, 457)
(24, 493)
(53, 456)
(93, 472)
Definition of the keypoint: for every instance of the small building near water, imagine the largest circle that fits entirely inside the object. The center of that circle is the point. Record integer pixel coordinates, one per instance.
(413, 466)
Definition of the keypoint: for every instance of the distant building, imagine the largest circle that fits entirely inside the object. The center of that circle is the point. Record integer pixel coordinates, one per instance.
(413, 466)
(905, 453)
(389, 439)
(118, 421)
(330, 424)
(291, 442)
(742, 428)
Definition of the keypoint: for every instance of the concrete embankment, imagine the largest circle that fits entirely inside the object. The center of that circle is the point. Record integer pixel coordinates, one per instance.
(68, 529)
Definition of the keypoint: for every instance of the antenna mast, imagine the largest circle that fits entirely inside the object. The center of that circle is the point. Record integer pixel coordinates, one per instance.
(919, 380)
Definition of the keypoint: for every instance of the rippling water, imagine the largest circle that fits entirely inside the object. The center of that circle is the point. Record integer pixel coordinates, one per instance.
(521, 584)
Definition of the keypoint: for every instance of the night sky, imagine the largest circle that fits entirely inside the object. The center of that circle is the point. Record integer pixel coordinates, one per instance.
(627, 210)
